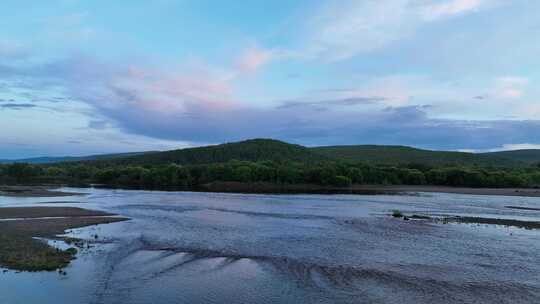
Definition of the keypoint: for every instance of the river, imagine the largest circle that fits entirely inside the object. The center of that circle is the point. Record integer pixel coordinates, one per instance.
(184, 247)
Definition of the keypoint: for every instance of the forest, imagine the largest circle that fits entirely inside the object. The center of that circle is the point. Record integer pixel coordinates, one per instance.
(323, 173)
(277, 162)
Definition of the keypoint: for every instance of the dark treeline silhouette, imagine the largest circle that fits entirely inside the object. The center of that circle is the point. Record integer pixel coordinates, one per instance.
(323, 173)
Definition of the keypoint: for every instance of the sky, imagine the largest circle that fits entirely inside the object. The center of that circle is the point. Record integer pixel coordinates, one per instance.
(89, 77)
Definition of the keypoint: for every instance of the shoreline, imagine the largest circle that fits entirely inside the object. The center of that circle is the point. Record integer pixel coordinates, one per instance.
(271, 188)
(525, 192)
(267, 188)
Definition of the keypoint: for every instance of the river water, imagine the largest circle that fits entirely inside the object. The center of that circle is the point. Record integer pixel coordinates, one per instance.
(183, 247)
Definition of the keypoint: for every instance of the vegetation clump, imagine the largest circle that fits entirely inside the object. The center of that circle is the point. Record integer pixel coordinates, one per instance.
(72, 250)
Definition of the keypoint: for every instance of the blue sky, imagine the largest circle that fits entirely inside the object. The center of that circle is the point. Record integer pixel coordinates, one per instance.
(83, 77)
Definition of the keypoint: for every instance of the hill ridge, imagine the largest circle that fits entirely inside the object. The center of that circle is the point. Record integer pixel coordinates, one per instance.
(267, 149)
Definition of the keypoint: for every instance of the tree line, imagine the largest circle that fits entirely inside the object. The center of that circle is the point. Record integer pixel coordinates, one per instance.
(327, 173)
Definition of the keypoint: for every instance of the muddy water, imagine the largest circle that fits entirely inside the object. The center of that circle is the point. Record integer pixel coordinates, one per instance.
(235, 248)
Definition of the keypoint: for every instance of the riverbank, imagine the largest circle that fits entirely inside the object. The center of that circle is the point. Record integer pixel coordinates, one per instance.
(528, 192)
(270, 188)
(21, 228)
(32, 191)
(273, 188)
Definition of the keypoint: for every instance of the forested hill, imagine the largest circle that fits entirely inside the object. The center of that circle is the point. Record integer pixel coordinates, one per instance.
(529, 156)
(406, 155)
(250, 150)
(256, 150)
(274, 150)
(279, 163)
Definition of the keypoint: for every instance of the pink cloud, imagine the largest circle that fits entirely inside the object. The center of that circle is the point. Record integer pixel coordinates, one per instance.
(254, 58)
(147, 90)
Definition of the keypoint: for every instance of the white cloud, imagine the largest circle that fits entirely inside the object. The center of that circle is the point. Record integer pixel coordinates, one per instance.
(510, 87)
(442, 9)
(524, 146)
(344, 29)
(350, 27)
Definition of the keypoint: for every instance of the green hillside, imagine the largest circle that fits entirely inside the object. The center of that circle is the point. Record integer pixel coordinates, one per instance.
(275, 150)
(405, 155)
(249, 150)
(274, 162)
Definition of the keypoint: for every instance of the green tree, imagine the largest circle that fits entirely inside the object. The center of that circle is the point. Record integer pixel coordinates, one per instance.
(242, 174)
(341, 181)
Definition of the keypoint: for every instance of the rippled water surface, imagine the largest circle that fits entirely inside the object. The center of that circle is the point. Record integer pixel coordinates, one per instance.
(183, 247)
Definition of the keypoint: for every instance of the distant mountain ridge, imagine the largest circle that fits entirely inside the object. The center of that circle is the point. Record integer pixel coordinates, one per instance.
(275, 150)
(59, 159)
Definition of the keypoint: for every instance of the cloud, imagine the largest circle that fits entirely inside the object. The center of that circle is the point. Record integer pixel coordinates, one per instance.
(442, 9)
(510, 87)
(17, 106)
(524, 146)
(254, 58)
(170, 109)
(325, 104)
(98, 124)
(197, 103)
(343, 29)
